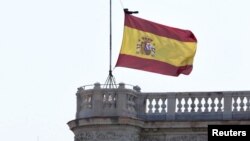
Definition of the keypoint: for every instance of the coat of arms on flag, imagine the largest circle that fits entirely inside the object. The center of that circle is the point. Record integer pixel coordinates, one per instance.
(145, 46)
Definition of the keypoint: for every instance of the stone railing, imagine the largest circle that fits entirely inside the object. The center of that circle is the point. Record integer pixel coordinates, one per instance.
(195, 106)
(105, 102)
(99, 101)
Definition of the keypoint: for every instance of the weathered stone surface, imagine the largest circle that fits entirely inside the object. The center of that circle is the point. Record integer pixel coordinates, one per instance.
(129, 115)
(106, 136)
(107, 133)
(186, 138)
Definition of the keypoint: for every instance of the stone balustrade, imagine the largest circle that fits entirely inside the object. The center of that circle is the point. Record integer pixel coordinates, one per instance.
(105, 102)
(195, 106)
(120, 101)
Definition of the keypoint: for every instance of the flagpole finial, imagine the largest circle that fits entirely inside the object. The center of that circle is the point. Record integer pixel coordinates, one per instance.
(126, 11)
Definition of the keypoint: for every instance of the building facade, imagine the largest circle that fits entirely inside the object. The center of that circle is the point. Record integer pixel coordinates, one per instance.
(127, 114)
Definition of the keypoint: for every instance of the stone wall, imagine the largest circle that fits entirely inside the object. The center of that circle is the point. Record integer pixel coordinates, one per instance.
(122, 114)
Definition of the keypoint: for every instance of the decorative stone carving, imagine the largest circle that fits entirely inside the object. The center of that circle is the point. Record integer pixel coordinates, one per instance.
(175, 138)
(106, 136)
(84, 136)
(186, 138)
(109, 100)
(131, 103)
(152, 138)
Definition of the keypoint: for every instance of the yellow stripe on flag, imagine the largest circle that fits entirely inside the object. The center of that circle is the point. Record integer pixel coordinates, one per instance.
(167, 50)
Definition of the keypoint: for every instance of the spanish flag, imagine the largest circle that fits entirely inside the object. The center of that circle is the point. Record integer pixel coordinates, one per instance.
(156, 48)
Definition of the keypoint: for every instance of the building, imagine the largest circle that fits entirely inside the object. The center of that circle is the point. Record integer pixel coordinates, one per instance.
(127, 114)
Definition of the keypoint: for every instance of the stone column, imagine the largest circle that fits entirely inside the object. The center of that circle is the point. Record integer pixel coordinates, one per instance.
(171, 107)
(97, 100)
(227, 114)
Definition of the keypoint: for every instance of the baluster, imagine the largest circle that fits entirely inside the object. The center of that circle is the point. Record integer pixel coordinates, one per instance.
(241, 104)
(130, 103)
(114, 99)
(107, 100)
(133, 103)
(206, 105)
(219, 104)
(248, 104)
(163, 106)
(157, 106)
(186, 104)
(213, 104)
(199, 105)
(104, 97)
(192, 104)
(235, 104)
(89, 101)
(83, 103)
(86, 101)
(179, 106)
(111, 100)
(150, 106)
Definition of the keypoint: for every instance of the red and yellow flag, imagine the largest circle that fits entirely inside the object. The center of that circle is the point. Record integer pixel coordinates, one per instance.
(156, 48)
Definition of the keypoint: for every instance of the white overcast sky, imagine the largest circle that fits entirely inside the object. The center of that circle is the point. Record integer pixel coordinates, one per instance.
(48, 48)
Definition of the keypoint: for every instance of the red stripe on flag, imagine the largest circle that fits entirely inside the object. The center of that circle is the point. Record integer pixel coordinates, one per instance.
(159, 29)
(152, 65)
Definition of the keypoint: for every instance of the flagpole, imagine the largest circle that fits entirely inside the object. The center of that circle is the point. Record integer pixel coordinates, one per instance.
(110, 81)
(110, 37)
